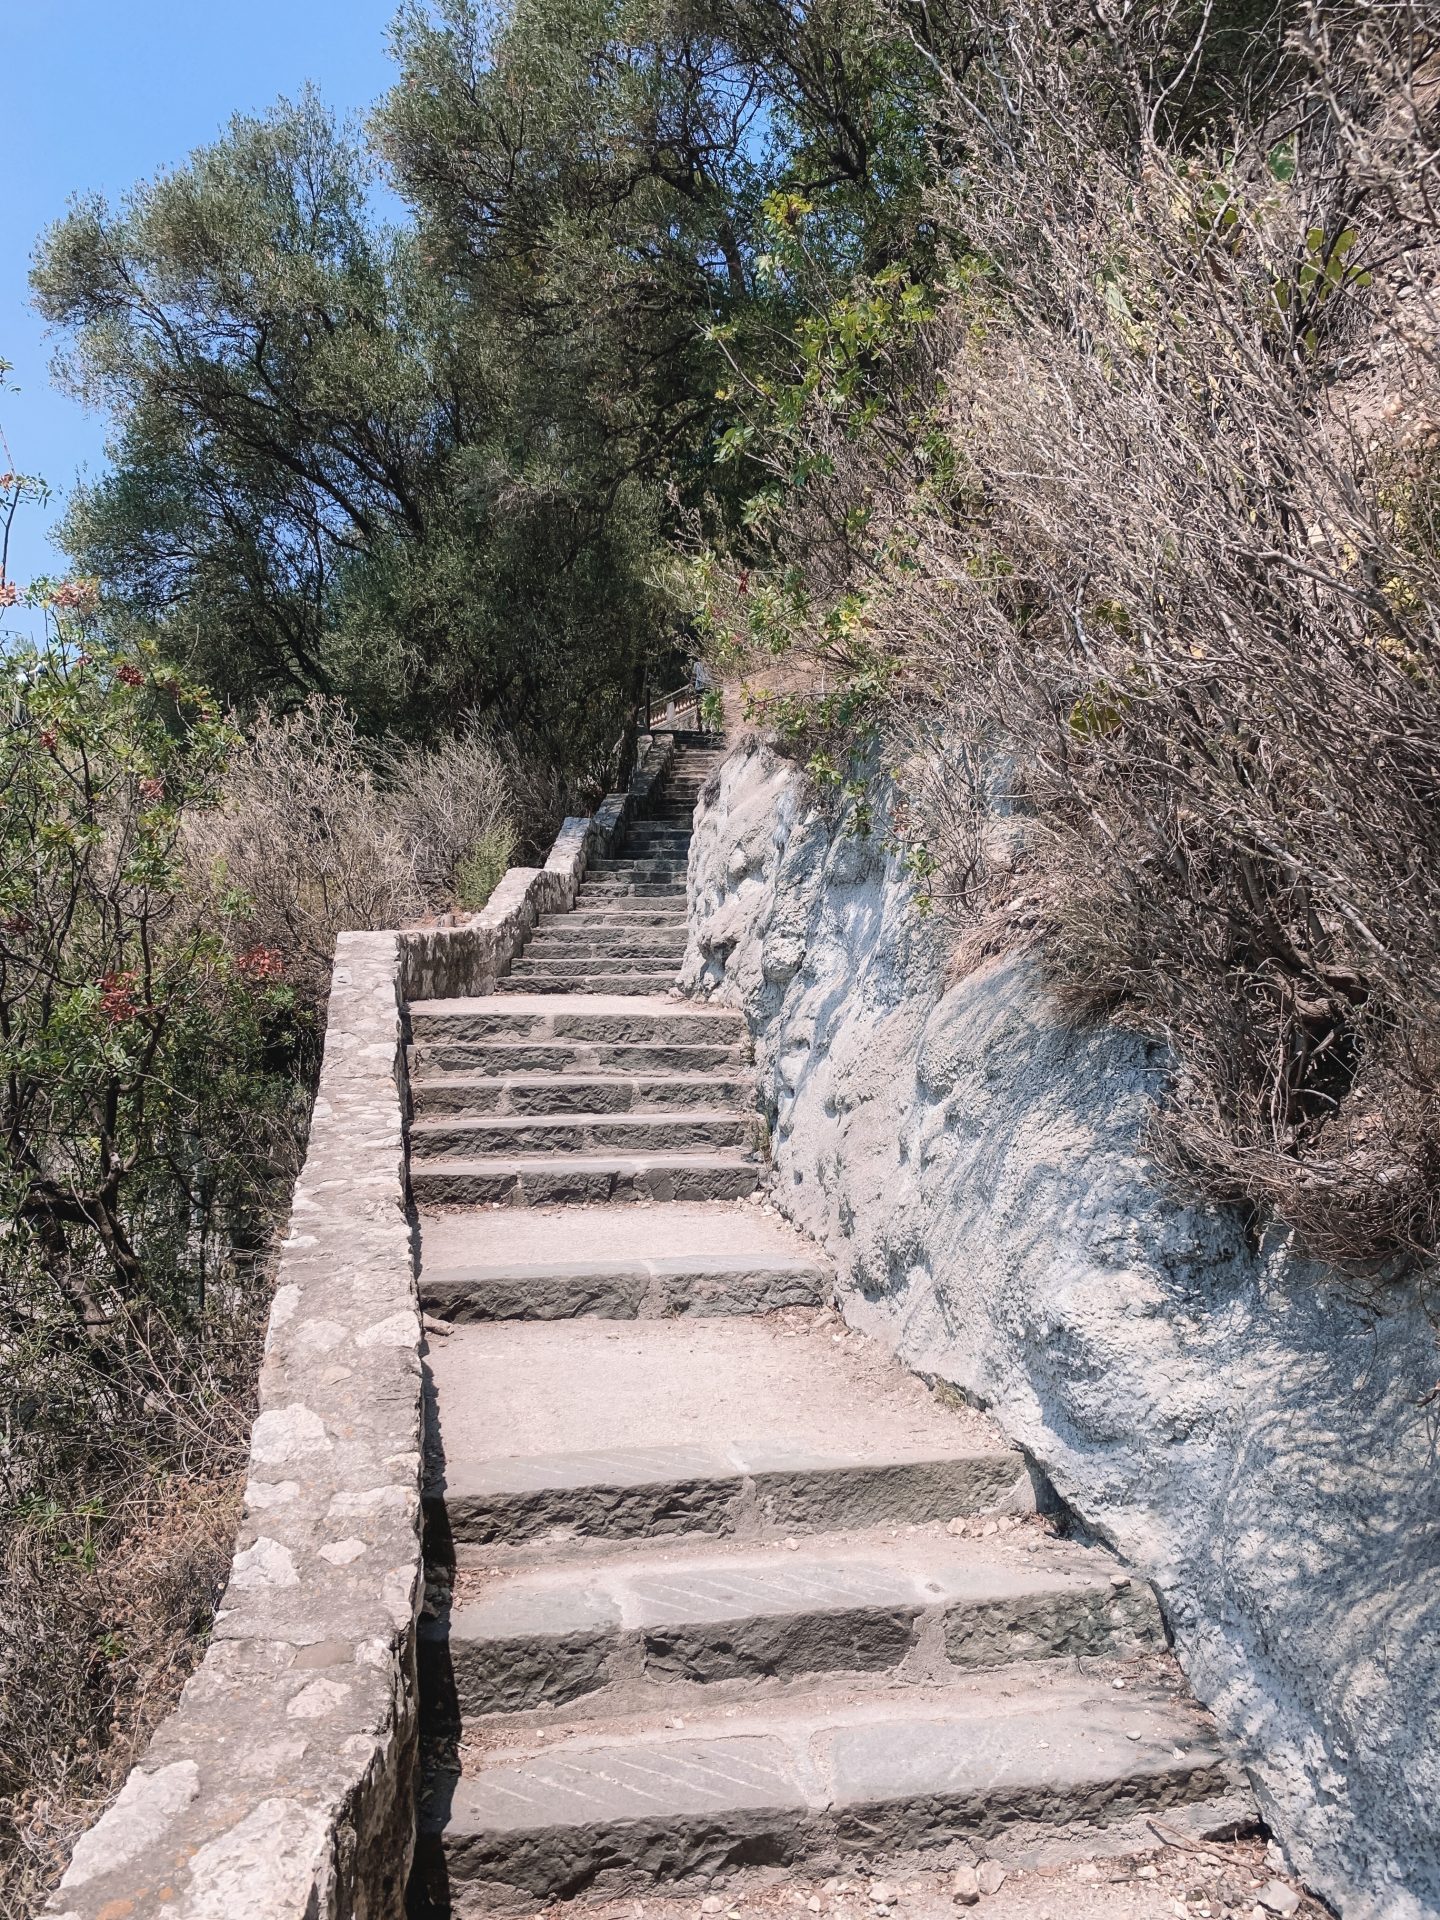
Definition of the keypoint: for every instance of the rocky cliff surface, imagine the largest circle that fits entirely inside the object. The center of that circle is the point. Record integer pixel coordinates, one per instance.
(1258, 1441)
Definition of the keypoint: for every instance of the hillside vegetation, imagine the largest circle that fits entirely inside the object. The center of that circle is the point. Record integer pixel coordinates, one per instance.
(1033, 407)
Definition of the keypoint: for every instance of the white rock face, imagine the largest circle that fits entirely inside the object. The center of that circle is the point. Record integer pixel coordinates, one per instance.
(1254, 1440)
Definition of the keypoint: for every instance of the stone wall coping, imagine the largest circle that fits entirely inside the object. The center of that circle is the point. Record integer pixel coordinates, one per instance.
(281, 1786)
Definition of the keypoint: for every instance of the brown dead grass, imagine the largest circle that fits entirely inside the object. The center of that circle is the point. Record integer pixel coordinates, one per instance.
(103, 1625)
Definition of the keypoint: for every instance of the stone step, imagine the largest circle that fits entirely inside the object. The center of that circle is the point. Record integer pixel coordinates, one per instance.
(615, 1429)
(540, 1180)
(499, 1056)
(553, 960)
(622, 1263)
(622, 914)
(593, 957)
(545, 969)
(650, 1022)
(612, 886)
(633, 863)
(622, 983)
(625, 1289)
(822, 1778)
(619, 941)
(479, 1136)
(582, 1093)
(926, 1608)
(598, 950)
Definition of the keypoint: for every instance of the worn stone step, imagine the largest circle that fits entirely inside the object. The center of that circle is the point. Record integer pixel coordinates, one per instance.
(542, 961)
(567, 983)
(536, 1180)
(926, 1608)
(549, 960)
(543, 971)
(595, 1017)
(595, 952)
(538, 1093)
(615, 886)
(474, 1136)
(660, 865)
(618, 941)
(631, 1288)
(624, 916)
(716, 1426)
(823, 1778)
(500, 1056)
(618, 1262)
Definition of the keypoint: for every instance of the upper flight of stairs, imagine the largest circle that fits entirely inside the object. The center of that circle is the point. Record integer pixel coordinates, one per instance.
(713, 1581)
(627, 931)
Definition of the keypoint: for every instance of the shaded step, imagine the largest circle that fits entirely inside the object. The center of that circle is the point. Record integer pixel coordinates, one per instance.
(473, 1136)
(581, 1093)
(538, 1180)
(625, 1289)
(819, 1779)
(535, 1637)
(655, 1022)
(600, 923)
(591, 955)
(640, 866)
(443, 1057)
(543, 972)
(707, 1425)
(614, 886)
(619, 940)
(550, 951)
(622, 983)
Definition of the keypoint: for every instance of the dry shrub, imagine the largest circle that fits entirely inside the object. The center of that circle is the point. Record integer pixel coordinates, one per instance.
(1165, 586)
(119, 1499)
(453, 812)
(316, 834)
(98, 1643)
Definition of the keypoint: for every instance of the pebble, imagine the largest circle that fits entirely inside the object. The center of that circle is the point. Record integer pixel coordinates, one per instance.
(812, 1905)
(1276, 1897)
(882, 1894)
(1147, 1873)
(1119, 1580)
(712, 1905)
(991, 1876)
(955, 1526)
(1087, 1870)
(1119, 1685)
(965, 1886)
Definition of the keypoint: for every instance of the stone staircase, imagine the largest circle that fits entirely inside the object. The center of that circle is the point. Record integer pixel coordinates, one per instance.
(714, 1584)
(627, 931)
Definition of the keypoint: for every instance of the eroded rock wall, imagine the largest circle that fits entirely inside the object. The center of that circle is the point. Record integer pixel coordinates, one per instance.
(1258, 1443)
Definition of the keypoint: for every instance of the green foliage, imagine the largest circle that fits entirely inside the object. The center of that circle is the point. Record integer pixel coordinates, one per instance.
(133, 1043)
(480, 871)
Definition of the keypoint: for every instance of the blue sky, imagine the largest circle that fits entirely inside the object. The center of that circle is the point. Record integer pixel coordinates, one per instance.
(102, 93)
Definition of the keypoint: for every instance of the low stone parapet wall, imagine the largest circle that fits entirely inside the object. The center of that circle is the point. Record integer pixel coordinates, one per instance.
(280, 1785)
